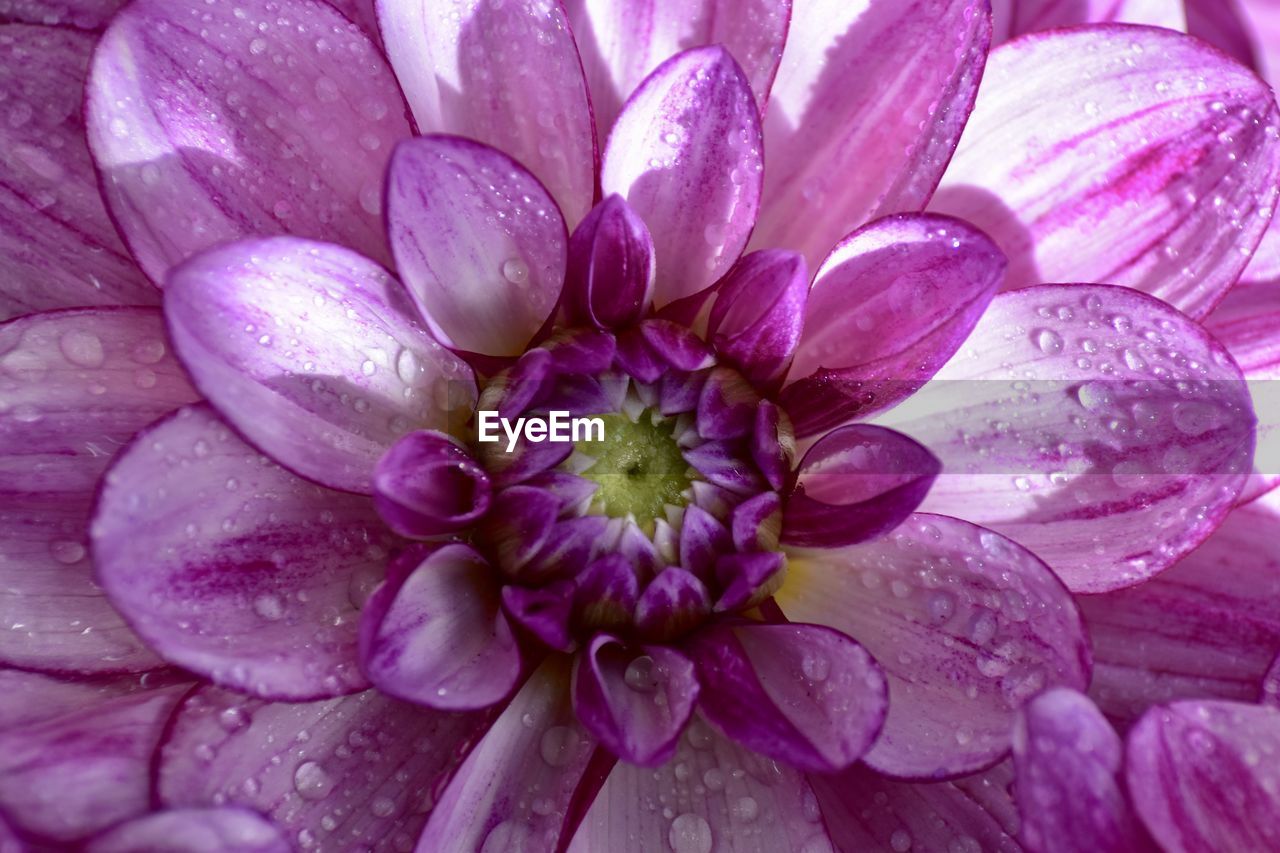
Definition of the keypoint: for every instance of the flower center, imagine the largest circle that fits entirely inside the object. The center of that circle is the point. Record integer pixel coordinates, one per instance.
(638, 467)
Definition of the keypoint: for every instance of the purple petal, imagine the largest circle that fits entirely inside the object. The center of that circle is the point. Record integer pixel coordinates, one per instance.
(74, 757)
(607, 592)
(1095, 425)
(803, 694)
(356, 772)
(77, 14)
(427, 484)
(313, 353)
(712, 795)
(773, 444)
(1200, 775)
(1012, 18)
(686, 154)
(217, 830)
(634, 701)
(461, 68)
(758, 314)
(515, 790)
(207, 125)
(58, 248)
(727, 406)
(444, 641)
(677, 345)
(225, 563)
(1137, 157)
(1066, 758)
(854, 484)
(890, 304)
(76, 386)
(544, 612)
(479, 242)
(519, 525)
(702, 539)
(840, 154)
(609, 281)
(966, 624)
(622, 43)
(747, 579)
(721, 463)
(757, 523)
(674, 603)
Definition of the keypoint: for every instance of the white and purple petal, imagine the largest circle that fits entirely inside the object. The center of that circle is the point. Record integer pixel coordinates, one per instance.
(212, 830)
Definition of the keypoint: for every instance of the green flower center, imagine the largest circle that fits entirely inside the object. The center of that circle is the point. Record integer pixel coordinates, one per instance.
(638, 467)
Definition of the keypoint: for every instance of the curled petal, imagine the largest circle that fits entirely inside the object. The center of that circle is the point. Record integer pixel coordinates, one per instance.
(215, 830)
(609, 281)
(758, 314)
(427, 484)
(544, 612)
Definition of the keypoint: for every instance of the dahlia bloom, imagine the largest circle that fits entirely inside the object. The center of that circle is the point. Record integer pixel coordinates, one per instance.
(267, 589)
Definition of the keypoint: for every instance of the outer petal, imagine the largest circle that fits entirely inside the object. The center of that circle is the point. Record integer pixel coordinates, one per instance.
(479, 242)
(621, 43)
(712, 795)
(58, 248)
(80, 14)
(514, 791)
(505, 74)
(1012, 18)
(686, 154)
(74, 757)
(966, 624)
(232, 567)
(1203, 775)
(889, 306)
(840, 154)
(360, 771)
(1066, 758)
(208, 125)
(221, 830)
(313, 353)
(1138, 157)
(1206, 627)
(76, 385)
(1094, 425)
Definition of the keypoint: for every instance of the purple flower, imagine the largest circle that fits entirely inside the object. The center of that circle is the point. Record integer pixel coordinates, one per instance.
(268, 587)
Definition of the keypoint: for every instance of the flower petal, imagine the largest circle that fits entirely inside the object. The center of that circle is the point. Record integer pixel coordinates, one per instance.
(428, 484)
(479, 242)
(712, 794)
(207, 125)
(759, 313)
(1202, 778)
(686, 154)
(1138, 157)
(803, 694)
(1225, 26)
(350, 772)
(462, 66)
(1095, 425)
(58, 248)
(1206, 627)
(889, 306)
(217, 830)
(226, 564)
(443, 640)
(856, 152)
(313, 353)
(966, 624)
(1012, 18)
(74, 756)
(856, 483)
(609, 281)
(76, 385)
(78, 14)
(1066, 758)
(515, 790)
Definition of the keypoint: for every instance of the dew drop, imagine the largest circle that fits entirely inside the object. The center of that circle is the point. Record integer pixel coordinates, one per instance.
(558, 745)
(82, 348)
(1049, 341)
(311, 781)
(690, 833)
(67, 552)
(515, 271)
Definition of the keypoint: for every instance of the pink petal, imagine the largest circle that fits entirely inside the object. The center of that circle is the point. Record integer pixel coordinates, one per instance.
(232, 567)
(207, 125)
(479, 242)
(621, 43)
(757, 319)
(866, 811)
(712, 795)
(1202, 777)
(218, 830)
(1095, 425)
(355, 772)
(443, 640)
(1066, 758)
(362, 12)
(841, 154)
(1247, 323)
(78, 14)
(1225, 26)
(504, 74)
(58, 248)
(313, 353)
(963, 646)
(77, 760)
(1137, 157)
(686, 154)
(515, 789)
(1206, 627)
(889, 306)
(76, 386)
(1012, 18)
